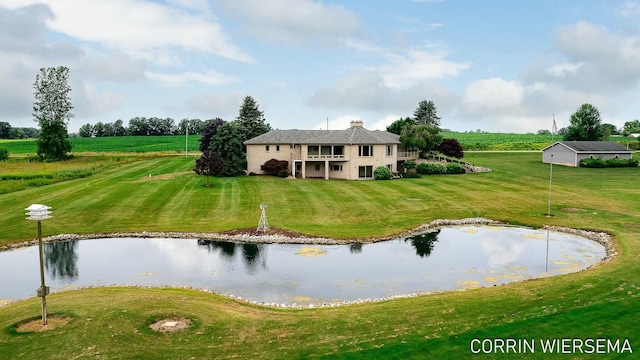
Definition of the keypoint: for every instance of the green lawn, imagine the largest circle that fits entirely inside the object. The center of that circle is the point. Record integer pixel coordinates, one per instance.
(602, 302)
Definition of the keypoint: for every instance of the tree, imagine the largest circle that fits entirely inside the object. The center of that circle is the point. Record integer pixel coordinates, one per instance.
(451, 147)
(52, 111)
(426, 114)
(420, 137)
(85, 130)
(227, 142)
(251, 119)
(208, 132)
(397, 126)
(631, 127)
(5, 130)
(612, 129)
(586, 125)
(543, 132)
(209, 164)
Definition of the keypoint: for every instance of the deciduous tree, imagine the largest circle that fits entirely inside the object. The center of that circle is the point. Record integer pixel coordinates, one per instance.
(586, 125)
(420, 137)
(209, 164)
(397, 126)
(52, 111)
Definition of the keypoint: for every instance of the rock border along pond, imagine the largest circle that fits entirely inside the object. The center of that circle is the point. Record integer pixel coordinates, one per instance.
(278, 236)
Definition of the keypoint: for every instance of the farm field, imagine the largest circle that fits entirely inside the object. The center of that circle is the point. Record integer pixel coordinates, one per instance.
(177, 143)
(161, 193)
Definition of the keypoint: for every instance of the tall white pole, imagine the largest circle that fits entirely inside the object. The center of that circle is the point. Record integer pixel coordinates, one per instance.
(186, 141)
(550, 182)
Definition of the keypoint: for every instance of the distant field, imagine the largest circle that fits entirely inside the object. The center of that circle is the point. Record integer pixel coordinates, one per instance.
(176, 143)
(119, 144)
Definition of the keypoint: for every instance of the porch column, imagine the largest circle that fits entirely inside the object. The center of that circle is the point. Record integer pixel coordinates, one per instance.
(326, 169)
(304, 167)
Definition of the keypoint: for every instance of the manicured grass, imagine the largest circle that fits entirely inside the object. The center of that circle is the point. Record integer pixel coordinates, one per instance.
(602, 302)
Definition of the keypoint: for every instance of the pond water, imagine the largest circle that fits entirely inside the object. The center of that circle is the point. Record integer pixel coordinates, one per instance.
(448, 259)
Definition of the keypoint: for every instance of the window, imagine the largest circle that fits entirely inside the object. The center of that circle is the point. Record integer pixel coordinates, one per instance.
(313, 150)
(336, 167)
(267, 148)
(365, 172)
(390, 167)
(317, 167)
(365, 150)
(277, 148)
(338, 150)
(389, 150)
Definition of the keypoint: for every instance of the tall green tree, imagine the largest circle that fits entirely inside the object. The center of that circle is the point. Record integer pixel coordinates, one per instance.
(251, 119)
(227, 142)
(426, 114)
(631, 127)
(52, 111)
(586, 125)
(420, 137)
(397, 126)
(5, 130)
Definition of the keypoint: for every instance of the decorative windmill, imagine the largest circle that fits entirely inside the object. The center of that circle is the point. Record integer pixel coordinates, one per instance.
(263, 225)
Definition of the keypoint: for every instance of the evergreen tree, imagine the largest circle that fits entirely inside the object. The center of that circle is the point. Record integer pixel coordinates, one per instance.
(251, 119)
(426, 114)
(227, 142)
(52, 110)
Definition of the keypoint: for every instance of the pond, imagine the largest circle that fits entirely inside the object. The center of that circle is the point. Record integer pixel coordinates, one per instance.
(453, 258)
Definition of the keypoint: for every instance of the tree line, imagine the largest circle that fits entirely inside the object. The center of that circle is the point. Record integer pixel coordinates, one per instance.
(143, 126)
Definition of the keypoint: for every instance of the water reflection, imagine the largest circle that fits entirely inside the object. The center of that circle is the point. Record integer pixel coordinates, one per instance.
(252, 254)
(424, 243)
(60, 260)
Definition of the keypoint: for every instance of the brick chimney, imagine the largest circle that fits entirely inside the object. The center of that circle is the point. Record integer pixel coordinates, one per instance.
(357, 123)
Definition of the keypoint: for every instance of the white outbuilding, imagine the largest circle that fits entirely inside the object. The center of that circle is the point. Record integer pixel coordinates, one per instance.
(571, 152)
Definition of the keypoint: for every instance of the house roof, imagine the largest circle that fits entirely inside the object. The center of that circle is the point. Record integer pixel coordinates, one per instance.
(352, 135)
(591, 146)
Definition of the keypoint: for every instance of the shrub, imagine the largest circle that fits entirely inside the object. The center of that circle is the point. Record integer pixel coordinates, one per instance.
(593, 163)
(273, 166)
(409, 164)
(4, 154)
(454, 168)
(431, 168)
(283, 173)
(382, 173)
(616, 162)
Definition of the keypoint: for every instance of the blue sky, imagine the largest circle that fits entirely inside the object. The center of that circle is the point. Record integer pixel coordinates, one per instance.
(503, 66)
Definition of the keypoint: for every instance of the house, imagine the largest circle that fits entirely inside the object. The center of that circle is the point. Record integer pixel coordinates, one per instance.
(351, 154)
(571, 152)
(634, 136)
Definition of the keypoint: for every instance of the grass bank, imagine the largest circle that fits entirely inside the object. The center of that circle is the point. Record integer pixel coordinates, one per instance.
(162, 194)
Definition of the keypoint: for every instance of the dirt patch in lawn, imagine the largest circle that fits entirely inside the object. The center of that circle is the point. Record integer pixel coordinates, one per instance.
(35, 325)
(170, 325)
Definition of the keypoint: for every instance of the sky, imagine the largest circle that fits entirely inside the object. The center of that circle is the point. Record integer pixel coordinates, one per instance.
(494, 65)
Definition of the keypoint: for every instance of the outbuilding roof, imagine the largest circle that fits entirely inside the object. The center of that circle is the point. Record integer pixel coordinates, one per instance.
(591, 146)
(352, 135)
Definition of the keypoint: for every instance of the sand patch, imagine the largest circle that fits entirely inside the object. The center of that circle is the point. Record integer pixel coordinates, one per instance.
(469, 284)
(311, 252)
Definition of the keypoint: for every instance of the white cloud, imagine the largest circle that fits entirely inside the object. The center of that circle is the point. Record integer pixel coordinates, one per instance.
(209, 77)
(224, 106)
(418, 65)
(293, 21)
(140, 29)
(492, 96)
